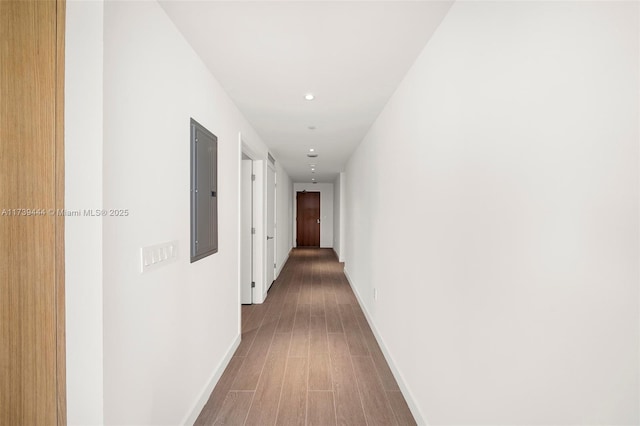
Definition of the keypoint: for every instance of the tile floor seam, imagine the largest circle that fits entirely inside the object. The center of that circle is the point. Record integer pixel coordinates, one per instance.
(358, 386)
(311, 279)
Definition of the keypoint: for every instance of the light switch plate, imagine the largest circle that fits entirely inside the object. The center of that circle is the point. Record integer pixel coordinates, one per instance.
(152, 257)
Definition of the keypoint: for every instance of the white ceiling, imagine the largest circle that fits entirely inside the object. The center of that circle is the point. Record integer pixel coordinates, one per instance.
(268, 54)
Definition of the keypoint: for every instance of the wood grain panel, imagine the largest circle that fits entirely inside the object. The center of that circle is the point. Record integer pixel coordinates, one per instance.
(347, 399)
(334, 324)
(400, 409)
(319, 372)
(308, 374)
(296, 280)
(211, 409)
(338, 345)
(355, 339)
(285, 324)
(246, 342)
(318, 336)
(247, 377)
(234, 409)
(292, 295)
(374, 398)
(245, 315)
(317, 299)
(321, 411)
(384, 372)
(299, 345)
(328, 282)
(305, 285)
(257, 316)
(293, 401)
(32, 341)
(61, 353)
(301, 323)
(275, 303)
(343, 294)
(264, 408)
(382, 368)
(280, 345)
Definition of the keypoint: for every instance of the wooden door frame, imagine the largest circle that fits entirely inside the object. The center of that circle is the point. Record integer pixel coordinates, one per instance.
(61, 370)
(34, 271)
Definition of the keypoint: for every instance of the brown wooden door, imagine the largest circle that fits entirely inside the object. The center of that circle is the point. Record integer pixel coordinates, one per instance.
(32, 374)
(308, 219)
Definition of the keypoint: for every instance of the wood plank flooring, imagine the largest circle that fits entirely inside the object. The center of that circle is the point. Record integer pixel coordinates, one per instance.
(307, 357)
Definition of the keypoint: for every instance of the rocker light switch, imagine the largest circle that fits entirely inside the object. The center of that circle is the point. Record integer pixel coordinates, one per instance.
(153, 257)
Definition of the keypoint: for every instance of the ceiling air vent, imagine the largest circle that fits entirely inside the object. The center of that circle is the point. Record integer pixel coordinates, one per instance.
(312, 155)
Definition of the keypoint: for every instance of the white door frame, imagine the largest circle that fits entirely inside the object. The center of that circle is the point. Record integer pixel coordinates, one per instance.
(246, 235)
(259, 221)
(270, 263)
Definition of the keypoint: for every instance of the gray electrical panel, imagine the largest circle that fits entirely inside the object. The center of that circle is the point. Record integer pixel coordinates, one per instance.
(204, 192)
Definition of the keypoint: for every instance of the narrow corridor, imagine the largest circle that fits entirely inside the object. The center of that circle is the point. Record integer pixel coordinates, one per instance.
(307, 356)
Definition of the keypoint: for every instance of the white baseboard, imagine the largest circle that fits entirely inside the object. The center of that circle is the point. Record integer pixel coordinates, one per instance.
(213, 381)
(408, 396)
(336, 253)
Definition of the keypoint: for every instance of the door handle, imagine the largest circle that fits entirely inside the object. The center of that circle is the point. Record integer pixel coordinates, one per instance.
(318, 221)
(269, 238)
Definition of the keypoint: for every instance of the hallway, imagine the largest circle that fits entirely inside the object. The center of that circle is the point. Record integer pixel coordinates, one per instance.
(307, 356)
(477, 163)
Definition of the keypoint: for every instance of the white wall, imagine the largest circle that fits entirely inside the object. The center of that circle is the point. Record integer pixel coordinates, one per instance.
(326, 210)
(83, 190)
(494, 206)
(166, 332)
(284, 214)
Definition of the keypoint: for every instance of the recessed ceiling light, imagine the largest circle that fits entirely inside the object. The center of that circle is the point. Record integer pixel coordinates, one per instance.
(312, 165)
(313, 178)
(311, 149)
(312, 169)
(309, 96)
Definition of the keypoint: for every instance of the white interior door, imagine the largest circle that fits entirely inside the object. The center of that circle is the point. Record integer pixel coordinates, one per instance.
(271, 228)
(246, 234)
